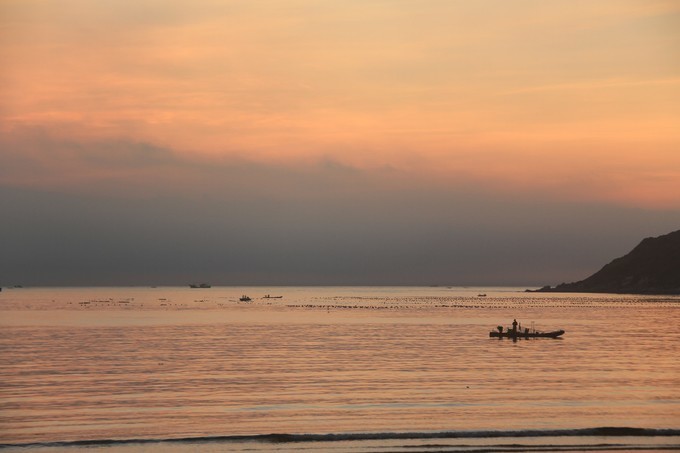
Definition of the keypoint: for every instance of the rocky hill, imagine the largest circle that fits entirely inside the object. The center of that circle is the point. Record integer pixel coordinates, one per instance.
(653, 267)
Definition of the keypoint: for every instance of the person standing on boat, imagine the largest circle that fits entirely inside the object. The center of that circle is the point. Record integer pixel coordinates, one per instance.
(514, 325)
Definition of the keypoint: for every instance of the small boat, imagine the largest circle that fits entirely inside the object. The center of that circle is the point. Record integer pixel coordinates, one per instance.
(272, 297)
(514, 332)
(202, 285)
(481, 295)
(526, 334)
(245, 298)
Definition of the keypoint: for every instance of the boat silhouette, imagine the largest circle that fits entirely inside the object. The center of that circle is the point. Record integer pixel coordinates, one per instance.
(511, 334)
(516, 333)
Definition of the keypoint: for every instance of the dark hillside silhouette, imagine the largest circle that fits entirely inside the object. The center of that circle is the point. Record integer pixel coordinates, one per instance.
(653, 267)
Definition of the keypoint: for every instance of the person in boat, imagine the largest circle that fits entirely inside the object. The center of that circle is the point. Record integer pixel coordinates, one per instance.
(514, 325)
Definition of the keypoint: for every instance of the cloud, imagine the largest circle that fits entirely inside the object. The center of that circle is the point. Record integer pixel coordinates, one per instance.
(120, 212)
(32, 158)
(596, 84)
(488, 96)
(35, 157)
(417, 238)
(338, 141)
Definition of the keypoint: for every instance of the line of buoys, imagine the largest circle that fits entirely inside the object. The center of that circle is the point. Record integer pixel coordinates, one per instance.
(348, 307)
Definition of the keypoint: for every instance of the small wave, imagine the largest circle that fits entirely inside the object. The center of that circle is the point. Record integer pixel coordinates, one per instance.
(332, 437)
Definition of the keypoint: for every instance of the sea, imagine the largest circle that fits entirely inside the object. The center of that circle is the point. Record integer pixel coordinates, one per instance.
(336, 369)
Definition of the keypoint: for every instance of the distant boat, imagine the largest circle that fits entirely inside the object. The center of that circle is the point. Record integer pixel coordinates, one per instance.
(272, 297)
(245, 298)
(202, 285)
(481, 295)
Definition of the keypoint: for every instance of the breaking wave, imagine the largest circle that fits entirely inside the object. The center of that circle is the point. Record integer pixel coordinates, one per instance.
(334, 437)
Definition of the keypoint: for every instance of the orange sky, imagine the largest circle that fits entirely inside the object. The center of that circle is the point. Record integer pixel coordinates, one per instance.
(579, 100)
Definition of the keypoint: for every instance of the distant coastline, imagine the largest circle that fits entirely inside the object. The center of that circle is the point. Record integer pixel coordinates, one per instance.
(653, 267)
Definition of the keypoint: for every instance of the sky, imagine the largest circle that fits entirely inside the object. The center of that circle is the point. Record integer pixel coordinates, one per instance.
(334, 142)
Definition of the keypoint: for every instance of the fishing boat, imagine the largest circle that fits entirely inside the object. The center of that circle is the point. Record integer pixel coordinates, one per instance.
(245, 298)
(516, 332)
(526, 334)
(272, 297)
(202, 285)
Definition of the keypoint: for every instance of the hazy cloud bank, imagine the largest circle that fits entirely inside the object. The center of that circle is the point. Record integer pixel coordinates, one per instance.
(121, 212)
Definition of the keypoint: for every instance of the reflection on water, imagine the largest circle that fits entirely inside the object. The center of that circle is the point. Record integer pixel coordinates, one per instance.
(128, 363)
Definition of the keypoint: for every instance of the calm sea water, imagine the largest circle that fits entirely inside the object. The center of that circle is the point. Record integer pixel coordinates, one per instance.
(126, 369)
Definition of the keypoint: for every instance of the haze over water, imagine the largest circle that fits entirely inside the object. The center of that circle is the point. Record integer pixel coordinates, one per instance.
(99, 364)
